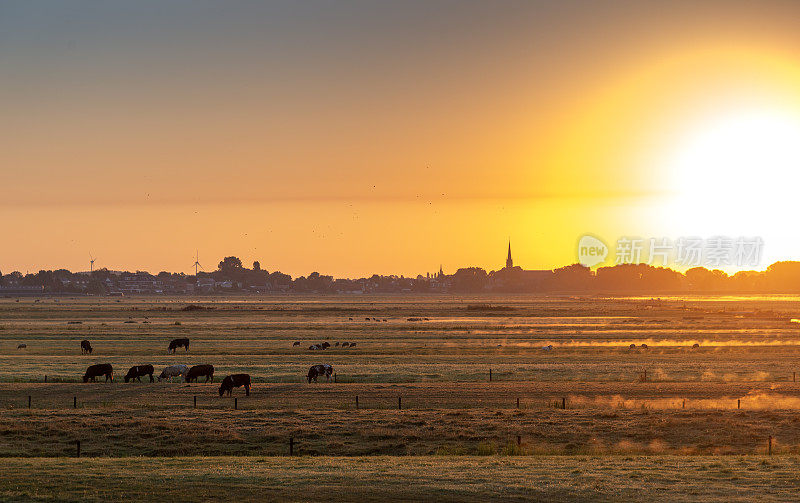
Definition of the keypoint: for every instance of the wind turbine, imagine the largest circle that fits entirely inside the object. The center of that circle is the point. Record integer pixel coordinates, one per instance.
(91, 263)
(197, 262)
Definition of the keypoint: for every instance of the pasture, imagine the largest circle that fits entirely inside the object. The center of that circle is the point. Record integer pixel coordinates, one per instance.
(420, 370)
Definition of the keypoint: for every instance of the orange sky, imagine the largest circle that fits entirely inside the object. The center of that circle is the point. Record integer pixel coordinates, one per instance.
(364, 137)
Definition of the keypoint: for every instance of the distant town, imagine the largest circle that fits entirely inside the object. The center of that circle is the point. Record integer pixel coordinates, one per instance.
(233, 277)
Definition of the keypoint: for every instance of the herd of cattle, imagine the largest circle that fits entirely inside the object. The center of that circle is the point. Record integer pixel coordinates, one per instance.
(326, 345)
(189, 374)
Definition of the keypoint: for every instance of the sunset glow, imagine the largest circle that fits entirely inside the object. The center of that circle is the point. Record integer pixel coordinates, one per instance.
(441, 135)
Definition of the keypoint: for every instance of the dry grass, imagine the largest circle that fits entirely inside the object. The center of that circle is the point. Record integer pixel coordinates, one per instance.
(551, 478)
(685, 408)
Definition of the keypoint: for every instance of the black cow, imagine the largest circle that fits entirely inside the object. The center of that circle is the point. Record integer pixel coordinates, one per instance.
(22, 346)
(297, 343)
(178, 343)
(101, 369)
(138, 371)
(234, 381)
(320, 370)
(86, 348)
(206, 371)
(325, 345)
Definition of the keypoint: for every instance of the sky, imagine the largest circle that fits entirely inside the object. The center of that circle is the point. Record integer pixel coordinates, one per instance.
(354, 138)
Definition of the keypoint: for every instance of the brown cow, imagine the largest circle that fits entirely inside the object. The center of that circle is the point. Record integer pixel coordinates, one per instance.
(101, 369)
(206, 371)
(234, 381)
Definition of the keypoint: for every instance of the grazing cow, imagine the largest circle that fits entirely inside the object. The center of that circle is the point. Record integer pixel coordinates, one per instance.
(345, 344)
(234, 381)
(173, 371)
(86, 348)
(325, 345)
(352, 344)
(695, 346)
(632, 346)
(319, 370)
(22, 346)
(549, 347)
(178, 343)
(138, 371)
(296, 344)
(337, 344)
(644, 346)
(102, 369)
(206, 371)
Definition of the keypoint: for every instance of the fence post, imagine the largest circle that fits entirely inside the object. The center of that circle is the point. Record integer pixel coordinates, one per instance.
(794, 376)
(291, 446)
(356, 402)
(738, 403)
(399, 403)
(684, 403)
(519, 440)
(518, 403)
(235, 403)
(195, 401)
(490, 375)
(770, 445)
(29, 401)
(563, 402)
(78, 448)
(45, 378)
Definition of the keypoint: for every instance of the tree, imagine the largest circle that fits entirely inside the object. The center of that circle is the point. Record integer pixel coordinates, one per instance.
(470, 279)
(230, 264)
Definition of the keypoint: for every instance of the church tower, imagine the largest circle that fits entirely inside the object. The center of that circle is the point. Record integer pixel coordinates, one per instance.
(509, 261)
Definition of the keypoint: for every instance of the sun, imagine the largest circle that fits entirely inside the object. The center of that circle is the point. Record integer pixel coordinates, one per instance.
(737, 174)
(753, 154)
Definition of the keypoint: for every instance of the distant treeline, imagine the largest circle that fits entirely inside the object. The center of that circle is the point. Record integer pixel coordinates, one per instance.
(232, 276)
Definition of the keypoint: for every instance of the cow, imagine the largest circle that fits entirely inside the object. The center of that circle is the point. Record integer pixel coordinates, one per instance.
(173, 371)
(101, 369)
(319, 370)
(206, 371)
(234, 381)
(337, 344)
(178, 343)
(352, 344)
(632, 346)
(86, 348)
(296, 344)
(644, 346)
(549, 347)
(695, 346)
(138, 371)
(314, 347)
(345, 344)
(22, 346)
(325, 345)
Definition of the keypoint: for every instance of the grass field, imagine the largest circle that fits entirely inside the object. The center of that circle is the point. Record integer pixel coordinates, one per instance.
(464, 478)
(589, 407)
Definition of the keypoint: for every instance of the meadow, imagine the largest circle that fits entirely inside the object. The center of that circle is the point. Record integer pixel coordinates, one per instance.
(591, 410)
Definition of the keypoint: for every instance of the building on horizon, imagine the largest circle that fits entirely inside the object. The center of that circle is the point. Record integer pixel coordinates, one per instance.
(513, 278)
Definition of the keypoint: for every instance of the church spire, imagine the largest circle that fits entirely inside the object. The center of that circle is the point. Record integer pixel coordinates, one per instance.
(509, 261)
